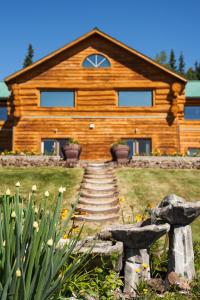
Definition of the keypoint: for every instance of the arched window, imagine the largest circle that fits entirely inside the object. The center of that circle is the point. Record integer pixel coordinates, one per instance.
(96, 61)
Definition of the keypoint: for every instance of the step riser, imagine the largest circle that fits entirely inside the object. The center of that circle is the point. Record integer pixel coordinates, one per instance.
(104, 212)
(98, 196)
(102, 203)
(98, 190)
(93, 219)
(92, 176)
(99, 172)
(99, 182)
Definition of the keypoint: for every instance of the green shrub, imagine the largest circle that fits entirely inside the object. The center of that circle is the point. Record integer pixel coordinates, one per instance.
(31, 259)
(99, 283)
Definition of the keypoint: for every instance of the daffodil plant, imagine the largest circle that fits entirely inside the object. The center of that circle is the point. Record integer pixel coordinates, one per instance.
(32, 264)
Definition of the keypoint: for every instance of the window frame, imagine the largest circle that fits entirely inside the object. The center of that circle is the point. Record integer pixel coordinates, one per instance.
(191, 105)
(57, 90)
(188, 149)
(96, 68)
(56, 143)
(150, 139)
(136, 90)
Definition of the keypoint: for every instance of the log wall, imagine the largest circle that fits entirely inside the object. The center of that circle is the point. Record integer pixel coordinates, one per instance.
(96, 102)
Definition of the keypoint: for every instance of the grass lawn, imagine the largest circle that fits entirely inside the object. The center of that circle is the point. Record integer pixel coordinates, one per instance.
(46, 179)
(141, 187)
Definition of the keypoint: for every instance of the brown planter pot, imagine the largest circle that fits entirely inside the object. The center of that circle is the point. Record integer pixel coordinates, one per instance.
(71, 152)
(120, 153)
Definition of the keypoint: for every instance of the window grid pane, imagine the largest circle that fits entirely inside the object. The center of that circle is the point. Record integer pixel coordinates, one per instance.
(3, 113)
(57, 99)
(135, 98)
(96, 61)
(192, 112)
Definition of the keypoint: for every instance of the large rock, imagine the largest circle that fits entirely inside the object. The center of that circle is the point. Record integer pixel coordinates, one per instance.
(176, 211)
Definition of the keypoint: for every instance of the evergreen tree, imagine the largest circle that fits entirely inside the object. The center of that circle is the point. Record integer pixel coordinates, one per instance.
(181, 65)
(191, 74)
(161, 58)
(197, 70)
(172, 60)
(29, 57)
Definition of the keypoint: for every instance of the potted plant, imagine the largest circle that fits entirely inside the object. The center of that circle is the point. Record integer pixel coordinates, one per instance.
(71, 151)
(120, 151)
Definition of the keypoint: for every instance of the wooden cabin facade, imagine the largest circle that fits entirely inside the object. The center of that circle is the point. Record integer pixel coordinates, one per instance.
(97, 91)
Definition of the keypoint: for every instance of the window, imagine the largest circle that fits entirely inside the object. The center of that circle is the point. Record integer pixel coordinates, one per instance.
(53, 146)
(192, 112)
(3, 113)
(139, 146)
(193, 151)
(135, 98)
(57, 99)
(96, 61)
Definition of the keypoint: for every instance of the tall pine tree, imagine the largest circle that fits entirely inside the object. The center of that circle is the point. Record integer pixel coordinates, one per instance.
(161, 58)
(181, 65)
(197, 69)
(29, 57)
(172, 60)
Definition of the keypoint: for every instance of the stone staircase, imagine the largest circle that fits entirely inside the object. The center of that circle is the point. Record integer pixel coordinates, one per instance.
(99, 195)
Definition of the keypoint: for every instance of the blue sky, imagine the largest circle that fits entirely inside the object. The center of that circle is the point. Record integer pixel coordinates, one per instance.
(148, 26)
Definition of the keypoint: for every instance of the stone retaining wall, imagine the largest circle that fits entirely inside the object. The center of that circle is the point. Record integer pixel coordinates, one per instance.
(31, 161)
(162, 162)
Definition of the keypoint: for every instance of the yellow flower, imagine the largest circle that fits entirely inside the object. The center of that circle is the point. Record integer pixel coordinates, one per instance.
(150, 205)
(145, 266)
(77, 230)
(121, 199)
(18, 273)
(65, 236)
(145, 291)
(64, 213)
(137, 270)
(138, 218)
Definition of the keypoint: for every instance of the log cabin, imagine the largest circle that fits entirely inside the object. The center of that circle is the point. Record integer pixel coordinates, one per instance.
(97, 91)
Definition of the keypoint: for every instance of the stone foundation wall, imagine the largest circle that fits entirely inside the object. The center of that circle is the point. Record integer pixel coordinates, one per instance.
(162, 162)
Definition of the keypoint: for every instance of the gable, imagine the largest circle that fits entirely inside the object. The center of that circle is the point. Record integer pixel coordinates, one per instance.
(98, 41)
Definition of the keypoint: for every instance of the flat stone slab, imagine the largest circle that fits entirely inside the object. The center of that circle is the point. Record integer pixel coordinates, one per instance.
(176, 211)
(134, 236)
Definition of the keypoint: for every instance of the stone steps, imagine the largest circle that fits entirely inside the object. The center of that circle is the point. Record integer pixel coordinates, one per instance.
(96, 209)
(95, 201)
(99, 181)
(99, 218)
(98, 195)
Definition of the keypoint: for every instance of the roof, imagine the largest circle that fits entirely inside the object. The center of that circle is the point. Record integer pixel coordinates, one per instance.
(4, 92)
(95, 31)
(193, 89)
